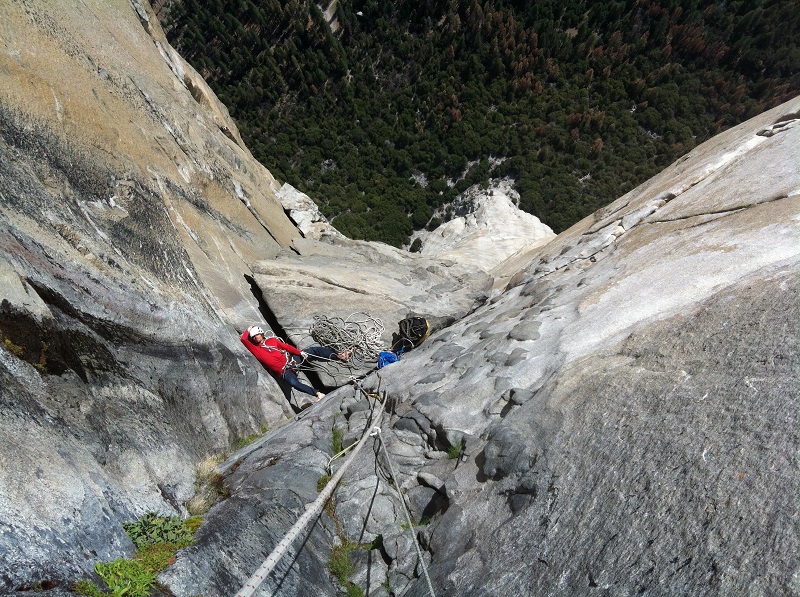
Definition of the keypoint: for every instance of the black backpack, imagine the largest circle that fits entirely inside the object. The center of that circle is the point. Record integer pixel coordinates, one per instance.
(413, 331)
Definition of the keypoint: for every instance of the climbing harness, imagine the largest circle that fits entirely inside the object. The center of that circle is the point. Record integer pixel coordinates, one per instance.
(316, 506)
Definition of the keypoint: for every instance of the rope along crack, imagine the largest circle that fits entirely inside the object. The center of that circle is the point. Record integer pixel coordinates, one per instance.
(311, 511)
(316, 506)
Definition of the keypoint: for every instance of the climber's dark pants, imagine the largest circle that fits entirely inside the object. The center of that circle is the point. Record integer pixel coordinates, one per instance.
(314, 353)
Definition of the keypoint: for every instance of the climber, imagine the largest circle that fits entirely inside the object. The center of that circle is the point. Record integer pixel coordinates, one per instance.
(283, 359)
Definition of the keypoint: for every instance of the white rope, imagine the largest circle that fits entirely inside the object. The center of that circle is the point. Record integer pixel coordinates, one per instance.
(377, 432)
(360, 332)
(311, 510)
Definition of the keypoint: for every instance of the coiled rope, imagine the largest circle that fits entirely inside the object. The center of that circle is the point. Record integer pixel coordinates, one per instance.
(359, 332)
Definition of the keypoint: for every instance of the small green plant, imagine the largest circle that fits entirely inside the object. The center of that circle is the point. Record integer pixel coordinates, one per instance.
(336, 440)
(455, 451)
(243, 442)
(330, 503)
(16, 350)
(207, 469)
(424, 521)
(126, 578)
(193, 523)
(322, 482)
(340, 565)
(219, 487)
(209, 486)
(354, 590)
(153, 528)
(157, 556)
(342, 568)
(157, 539)
(42, 364)
(86, 587)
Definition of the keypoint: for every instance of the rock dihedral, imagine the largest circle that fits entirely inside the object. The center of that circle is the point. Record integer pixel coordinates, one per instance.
(453, 275)
(624, 414)
(132, 215)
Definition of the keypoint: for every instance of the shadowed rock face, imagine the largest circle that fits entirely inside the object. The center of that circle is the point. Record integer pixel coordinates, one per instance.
(625, 412)
(120, 365)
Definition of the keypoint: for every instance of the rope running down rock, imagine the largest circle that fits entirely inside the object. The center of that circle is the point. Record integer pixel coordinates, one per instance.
(376, 432)
(311, 511)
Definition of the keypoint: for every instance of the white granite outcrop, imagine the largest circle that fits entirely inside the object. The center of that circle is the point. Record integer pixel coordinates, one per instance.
(305, 214)
(491, 230)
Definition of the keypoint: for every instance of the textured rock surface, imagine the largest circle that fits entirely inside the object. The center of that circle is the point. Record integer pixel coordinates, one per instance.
(626, 410)
(340, 277)
(129, 210)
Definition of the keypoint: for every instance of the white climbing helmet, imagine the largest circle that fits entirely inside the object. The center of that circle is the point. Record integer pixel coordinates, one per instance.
(254, 330)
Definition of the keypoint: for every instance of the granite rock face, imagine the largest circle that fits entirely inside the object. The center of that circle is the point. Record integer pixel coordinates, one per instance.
(620, 420)
(129, 208)
(341, 277)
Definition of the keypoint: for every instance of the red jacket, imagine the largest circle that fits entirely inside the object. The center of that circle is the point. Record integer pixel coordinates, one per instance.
(272, 353)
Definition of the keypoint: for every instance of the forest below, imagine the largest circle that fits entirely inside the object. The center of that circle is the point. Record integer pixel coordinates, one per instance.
(383, 111)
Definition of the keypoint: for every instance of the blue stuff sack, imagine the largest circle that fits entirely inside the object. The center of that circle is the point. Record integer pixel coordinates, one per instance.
(387, 358)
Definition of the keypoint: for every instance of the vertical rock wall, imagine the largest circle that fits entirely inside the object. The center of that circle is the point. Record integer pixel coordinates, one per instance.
(129, 210)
